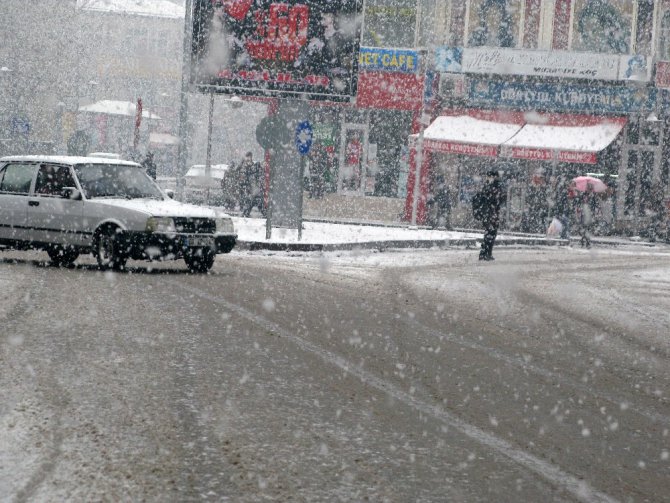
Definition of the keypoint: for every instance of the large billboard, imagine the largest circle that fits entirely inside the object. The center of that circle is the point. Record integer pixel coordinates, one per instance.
(271, 48)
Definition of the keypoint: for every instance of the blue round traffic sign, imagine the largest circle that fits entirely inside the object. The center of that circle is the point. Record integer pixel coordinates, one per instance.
(303, 137)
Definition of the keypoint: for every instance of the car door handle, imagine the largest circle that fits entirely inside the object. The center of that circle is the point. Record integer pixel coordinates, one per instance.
(33, 203)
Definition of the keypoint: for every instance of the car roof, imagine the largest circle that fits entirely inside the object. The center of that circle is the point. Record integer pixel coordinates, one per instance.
(66, 159)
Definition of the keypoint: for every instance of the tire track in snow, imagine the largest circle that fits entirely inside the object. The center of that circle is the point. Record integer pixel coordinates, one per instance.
(578, 488)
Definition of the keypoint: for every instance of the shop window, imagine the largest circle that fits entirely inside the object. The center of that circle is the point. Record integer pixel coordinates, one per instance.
(432, 26)
(538, 24)
(389, 23)
(664, 45)
(645, 26)
(494, 23)
(602, 26)
(643, 131)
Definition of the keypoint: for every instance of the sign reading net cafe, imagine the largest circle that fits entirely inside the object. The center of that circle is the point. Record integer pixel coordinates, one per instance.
(545, 130)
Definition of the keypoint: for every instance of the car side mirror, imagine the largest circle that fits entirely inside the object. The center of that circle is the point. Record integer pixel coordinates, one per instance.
(71, 193)
(170, 193)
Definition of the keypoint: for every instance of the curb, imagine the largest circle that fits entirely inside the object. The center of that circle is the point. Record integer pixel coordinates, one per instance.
(392, 244)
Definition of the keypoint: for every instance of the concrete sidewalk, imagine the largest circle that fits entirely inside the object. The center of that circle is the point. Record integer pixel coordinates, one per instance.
(332, 235)
(320, 235)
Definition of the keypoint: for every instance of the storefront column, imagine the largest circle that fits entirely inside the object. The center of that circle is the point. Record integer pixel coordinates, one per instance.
(424, 185)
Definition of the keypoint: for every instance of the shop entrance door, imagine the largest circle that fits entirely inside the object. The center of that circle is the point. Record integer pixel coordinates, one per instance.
(639, 172)
(353, 159)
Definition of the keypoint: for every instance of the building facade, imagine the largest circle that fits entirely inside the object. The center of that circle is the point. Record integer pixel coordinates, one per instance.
(544, 91)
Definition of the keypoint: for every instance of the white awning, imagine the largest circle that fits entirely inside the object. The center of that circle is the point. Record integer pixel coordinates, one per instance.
(578, 143)
(113, 107)
(463, 134)
(163, 139)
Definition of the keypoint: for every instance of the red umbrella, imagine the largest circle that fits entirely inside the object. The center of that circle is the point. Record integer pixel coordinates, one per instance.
(582, 183)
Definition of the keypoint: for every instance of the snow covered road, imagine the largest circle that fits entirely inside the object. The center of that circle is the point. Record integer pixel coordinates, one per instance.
(397, 376)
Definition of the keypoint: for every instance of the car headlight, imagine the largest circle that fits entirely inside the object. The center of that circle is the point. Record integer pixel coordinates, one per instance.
(224, 225)
(161, 224)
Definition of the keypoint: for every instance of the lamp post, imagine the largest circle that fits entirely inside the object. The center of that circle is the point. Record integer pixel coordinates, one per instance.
(5, 85)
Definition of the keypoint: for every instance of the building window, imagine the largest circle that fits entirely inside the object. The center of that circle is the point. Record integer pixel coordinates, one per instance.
(389, 23)
(494, 23)
(602, 26)
(664, 46)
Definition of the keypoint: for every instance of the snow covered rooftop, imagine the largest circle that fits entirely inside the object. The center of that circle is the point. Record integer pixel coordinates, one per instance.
(156, 8)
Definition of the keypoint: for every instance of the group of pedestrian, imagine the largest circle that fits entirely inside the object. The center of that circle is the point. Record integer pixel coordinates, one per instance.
(244, 186)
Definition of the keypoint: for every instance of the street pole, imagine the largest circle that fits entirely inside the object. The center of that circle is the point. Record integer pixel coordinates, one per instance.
(208, 158)
(182, 152)
(423, 121)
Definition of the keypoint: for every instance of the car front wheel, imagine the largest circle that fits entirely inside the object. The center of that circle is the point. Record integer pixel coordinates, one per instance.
(108, 250)
(199, 260)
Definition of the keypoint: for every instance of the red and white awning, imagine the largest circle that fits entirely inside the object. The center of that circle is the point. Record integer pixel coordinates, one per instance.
(564, 143)
(564, 138)
(463, 134)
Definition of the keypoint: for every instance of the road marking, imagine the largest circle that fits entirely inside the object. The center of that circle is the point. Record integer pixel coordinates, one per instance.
(580, 489)
(552, 376)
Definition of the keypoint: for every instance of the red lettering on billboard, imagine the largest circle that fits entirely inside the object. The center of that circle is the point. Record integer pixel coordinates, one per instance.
(282, 32)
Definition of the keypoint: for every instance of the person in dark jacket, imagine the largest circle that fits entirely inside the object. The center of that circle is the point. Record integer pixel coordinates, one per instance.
(149, 165)
(251, 185)
(493, 197)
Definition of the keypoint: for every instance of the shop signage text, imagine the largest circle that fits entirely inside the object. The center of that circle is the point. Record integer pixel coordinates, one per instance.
(541, 154)
(528, 96)
(461, 148)
(393, 60)
(562, 64)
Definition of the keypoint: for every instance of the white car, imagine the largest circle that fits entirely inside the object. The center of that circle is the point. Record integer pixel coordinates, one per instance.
(69, 205)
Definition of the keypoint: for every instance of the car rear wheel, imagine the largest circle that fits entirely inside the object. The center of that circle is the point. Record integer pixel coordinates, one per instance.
(199, 260)
(108, 251)
(62, 256)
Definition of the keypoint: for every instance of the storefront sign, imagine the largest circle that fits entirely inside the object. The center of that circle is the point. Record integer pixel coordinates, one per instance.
(393, 60)
(390, 90)
(448, 147)
(561, 97)
(285, 49)
(541, 154)
(324, 134)
(563, 64)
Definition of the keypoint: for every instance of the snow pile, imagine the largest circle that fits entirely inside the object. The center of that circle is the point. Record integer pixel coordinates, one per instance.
(157, 8)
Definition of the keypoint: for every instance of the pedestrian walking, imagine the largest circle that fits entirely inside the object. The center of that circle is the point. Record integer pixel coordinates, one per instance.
(656, 212)
(251, 186)
(561, 204)
(586, 210)
(488, 203)
(439, 204)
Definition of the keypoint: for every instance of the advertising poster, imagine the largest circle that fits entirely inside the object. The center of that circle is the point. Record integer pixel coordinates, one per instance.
(270, 48)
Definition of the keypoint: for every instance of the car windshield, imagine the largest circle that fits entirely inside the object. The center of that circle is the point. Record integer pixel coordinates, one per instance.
(116, 180)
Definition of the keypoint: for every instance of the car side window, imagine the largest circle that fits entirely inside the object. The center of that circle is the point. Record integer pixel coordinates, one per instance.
(16, 178)
(51, 180)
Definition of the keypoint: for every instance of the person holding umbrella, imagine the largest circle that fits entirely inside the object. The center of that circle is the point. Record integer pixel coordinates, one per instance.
(586, 204)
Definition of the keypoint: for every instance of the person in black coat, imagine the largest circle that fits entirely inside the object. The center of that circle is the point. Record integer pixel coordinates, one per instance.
(493, 197)
(149, 165)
